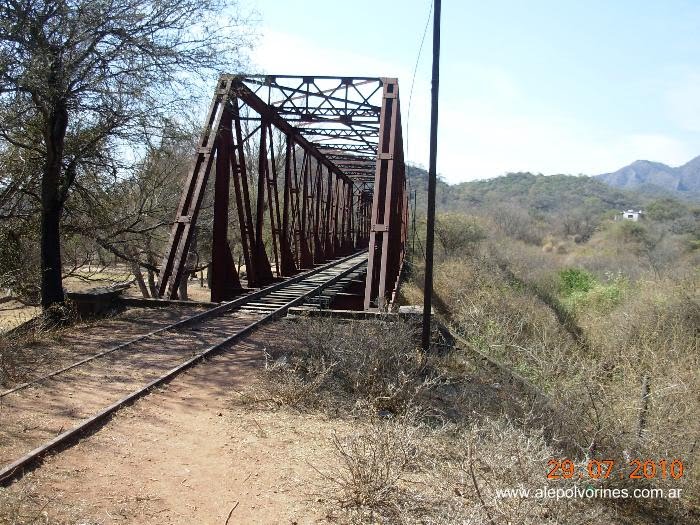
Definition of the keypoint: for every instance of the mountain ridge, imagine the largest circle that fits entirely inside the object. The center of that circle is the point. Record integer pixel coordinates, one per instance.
(657, 178)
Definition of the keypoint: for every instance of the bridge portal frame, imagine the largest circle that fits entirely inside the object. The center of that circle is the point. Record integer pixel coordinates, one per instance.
(330, 179)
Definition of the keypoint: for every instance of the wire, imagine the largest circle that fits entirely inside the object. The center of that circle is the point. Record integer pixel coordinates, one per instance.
(415, 69)
(408, 121)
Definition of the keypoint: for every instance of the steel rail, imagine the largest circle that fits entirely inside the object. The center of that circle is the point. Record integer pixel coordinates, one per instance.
(213, 312)
(31, 460)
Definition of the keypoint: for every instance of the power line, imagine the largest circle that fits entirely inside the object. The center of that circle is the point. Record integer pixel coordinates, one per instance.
(415, 70)
(408, 118)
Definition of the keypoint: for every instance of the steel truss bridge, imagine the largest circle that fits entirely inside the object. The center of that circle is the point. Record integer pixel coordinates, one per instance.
(317, 169)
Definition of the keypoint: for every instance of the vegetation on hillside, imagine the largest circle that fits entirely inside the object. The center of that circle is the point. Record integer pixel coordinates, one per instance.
(567, 346)
(603, 321)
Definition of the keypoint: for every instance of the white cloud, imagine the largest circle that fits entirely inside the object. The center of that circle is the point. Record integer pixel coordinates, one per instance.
(478, 143)
(284, 53)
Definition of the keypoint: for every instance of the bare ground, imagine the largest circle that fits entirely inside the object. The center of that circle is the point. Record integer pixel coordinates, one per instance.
(36, 414)
(189, 454)
(35, 356)
(14, 313)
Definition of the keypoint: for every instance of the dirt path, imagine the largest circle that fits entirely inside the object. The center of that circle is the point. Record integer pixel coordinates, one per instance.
(45, 352)
(189, 454)
(32, 416)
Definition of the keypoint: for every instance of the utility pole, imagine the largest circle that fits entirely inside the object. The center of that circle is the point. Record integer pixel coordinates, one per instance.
(432, 180)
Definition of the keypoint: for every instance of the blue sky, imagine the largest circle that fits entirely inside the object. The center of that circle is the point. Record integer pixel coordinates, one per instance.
(544, 86)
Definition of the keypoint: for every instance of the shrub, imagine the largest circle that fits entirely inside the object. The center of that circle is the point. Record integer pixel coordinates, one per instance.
(403, 472)
(573, 280)
(374, 465)
(457, 232)
(374, 365)
(630, 232)
(665, 209)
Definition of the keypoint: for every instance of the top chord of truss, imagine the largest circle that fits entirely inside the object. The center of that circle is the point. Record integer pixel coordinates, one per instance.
(338, 115)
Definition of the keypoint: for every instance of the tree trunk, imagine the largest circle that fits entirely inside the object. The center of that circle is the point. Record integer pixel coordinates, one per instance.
(182, 287)
(136, 270)
(52, 198)
(152, 284)
(51, 279)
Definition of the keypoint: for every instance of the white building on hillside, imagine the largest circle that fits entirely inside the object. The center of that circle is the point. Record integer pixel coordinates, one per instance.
(631, 215)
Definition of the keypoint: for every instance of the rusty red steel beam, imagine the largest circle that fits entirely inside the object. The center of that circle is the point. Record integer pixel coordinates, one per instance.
(307, 182)
(342, 133)
(173, 267)
(347, 147)
(387, 240)
(313, 101)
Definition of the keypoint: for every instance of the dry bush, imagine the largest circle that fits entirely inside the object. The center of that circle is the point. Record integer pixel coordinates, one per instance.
(530, 263)
(593, 361)
(494, 455)
(458, 233)
(504, 319)
(517, 223)
(651, 338)
(358, 364)
(399, 471)
(635, 250)
(375, 467)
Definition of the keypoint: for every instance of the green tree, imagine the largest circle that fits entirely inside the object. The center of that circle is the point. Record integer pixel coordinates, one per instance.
(457, 232)
(80, 79)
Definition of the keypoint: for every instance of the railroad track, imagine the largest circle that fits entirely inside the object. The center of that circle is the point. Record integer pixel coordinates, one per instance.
(84, 395)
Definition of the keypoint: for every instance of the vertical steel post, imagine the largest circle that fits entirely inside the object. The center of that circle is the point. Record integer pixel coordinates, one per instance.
(240, 186)
(273, 204)
(386, 236)
(432, 182)
(225, 283)
(306, 224)
(286, 236)
(263, 272)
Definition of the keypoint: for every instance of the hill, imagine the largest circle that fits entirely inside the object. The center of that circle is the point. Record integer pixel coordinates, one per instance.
(538, 194)
(656, 178)
(532, 207)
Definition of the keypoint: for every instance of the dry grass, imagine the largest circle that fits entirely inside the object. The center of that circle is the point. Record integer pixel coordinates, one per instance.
(436, 437)
(356, 366)
(22, 351)
(593, 360)
(23, 508)
(13, 314)
(402, 471)
(376, 464)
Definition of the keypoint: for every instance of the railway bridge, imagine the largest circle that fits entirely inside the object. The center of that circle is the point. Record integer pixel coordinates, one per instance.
(309, 189)
(317, 169)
